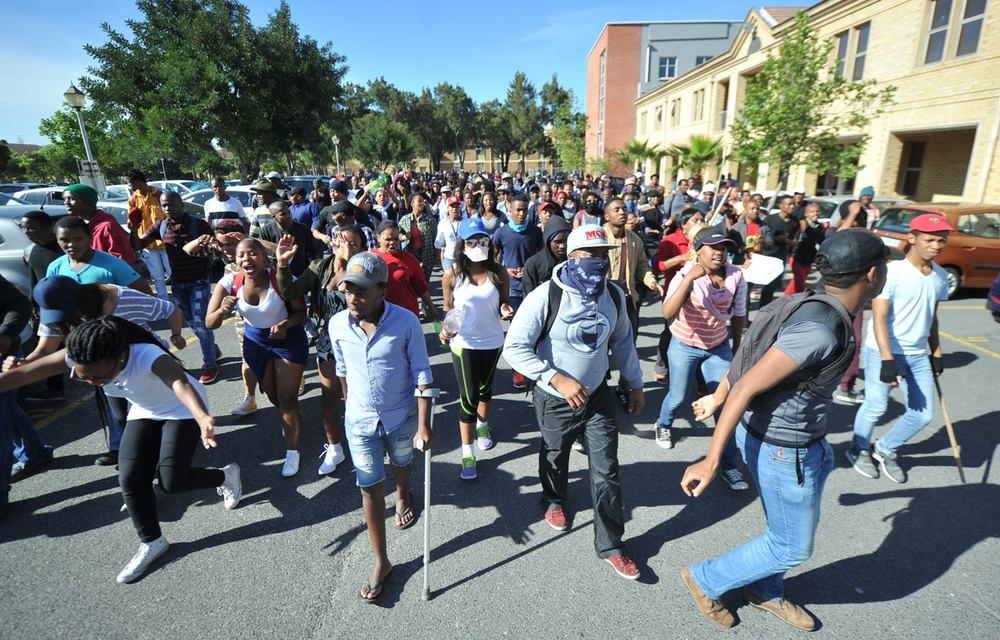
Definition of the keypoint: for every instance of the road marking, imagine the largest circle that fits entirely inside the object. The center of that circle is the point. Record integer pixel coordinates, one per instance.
(967, 343)
(964, 307)
(52, 417)
(977, 339)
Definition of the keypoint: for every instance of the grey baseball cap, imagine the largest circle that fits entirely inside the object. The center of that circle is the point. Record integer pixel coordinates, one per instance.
(366, 269)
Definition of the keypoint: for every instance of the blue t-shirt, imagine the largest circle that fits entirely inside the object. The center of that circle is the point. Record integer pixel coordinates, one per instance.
(515, 248)
(305, 213)
(103, 268)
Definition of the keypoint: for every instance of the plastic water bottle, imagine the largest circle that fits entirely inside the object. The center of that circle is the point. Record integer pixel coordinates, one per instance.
(453, 322)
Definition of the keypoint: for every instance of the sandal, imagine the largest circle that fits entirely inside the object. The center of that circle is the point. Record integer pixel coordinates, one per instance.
(374, 591)
(401, 518)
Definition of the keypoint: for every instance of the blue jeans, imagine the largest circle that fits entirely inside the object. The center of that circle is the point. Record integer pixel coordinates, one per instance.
(14, 423)
(792, 513)
(368, 452)
(192, 298)
(918, 391)
(683, 359)
(28, 445)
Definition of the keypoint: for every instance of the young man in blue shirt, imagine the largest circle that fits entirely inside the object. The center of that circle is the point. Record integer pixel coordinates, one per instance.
(374, 343)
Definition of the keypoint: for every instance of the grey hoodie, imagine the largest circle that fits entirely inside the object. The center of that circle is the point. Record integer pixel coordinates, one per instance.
(577, 345)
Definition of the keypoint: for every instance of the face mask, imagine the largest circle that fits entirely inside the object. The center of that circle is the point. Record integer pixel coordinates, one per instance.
(476, 254)
(518, 227)
(586, 275)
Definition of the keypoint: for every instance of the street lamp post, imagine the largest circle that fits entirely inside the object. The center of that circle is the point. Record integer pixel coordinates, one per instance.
(76, 99)
(336, 151)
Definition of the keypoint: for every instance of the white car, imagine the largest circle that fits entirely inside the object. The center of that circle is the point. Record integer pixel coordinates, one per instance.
(245, 196)
(182, 187)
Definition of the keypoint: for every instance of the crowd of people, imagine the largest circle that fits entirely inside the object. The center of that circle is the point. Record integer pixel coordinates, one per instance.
(346, 271)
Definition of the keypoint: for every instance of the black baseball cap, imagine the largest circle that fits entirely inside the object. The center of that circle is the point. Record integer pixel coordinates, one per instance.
(711, 237)
(298, 191)
(851, 251)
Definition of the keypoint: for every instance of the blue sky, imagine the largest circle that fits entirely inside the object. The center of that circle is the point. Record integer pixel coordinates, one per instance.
(414, 44)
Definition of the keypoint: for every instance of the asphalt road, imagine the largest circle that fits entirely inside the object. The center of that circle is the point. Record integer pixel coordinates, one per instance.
(903, 561)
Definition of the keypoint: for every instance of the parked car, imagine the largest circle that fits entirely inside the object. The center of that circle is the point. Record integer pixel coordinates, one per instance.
(182, 187)
(116, 192)
(201, 196)
(993, 299)
(13, 243)
(7, 199)
(119, 210)
(972, 255)
(830, 205)
(12, 187)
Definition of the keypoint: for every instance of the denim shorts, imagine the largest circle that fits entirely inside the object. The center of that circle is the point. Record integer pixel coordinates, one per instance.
(368, 451)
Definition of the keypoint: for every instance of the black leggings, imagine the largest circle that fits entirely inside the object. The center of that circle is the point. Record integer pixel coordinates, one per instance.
(169, 445)
(474, 371)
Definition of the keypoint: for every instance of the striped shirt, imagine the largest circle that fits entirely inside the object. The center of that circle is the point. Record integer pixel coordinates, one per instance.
(705, 328)
(134, 306)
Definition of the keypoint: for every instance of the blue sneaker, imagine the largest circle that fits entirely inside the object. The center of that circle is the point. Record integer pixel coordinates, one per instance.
(468, 468)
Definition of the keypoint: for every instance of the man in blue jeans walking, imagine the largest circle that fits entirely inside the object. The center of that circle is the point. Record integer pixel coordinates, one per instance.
(778, 408)
(902, 334)
(190, 284)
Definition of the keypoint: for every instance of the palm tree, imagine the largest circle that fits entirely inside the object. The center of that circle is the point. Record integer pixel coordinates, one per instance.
(635, 152)
(698, 154)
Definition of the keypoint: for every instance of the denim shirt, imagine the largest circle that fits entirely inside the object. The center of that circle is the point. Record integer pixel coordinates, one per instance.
(378, 391)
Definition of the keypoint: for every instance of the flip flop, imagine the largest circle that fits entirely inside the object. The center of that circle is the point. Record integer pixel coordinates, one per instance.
(400, 518)
(374, 591)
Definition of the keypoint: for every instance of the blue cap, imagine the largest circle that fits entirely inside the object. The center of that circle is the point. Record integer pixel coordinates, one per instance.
(867, 191)
(56, 298)
(472, 227)
(338, 185)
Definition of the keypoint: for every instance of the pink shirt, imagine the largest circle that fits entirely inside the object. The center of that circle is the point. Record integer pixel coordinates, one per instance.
(701, 322)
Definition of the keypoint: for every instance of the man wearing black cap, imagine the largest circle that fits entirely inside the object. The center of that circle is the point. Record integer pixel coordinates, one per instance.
(777, 405)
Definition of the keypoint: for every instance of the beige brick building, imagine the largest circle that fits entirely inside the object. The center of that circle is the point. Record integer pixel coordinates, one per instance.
(937, 141)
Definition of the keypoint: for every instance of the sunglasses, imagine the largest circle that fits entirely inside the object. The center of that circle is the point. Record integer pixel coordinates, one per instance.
(481, 242)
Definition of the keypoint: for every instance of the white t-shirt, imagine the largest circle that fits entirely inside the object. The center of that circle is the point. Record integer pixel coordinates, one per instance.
(447, 237)
(912, 298)
(215, 210)
(481, 328)
(146, 393)
(269, 311)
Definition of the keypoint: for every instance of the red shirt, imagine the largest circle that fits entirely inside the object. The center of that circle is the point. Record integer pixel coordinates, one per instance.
(673, 245)
(110, 237)
(406, 279)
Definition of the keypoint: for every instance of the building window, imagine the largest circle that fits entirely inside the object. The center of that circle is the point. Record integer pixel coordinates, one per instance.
(971, 27)
(658, 118)
(860, 51)
(700, 60)
(675, 111)
(842, 39)
(914, 154)
(698, 108)
(668, 67)
(600, 104)
(642, 123)
(938, 32)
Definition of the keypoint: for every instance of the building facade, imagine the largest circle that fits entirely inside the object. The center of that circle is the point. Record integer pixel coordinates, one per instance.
(630, 59)
(936, 141)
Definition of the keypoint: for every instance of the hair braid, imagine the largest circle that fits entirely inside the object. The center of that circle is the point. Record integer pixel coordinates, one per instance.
(105, 338)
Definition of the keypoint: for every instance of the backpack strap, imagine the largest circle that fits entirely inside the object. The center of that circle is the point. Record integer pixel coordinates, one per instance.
(551, 311)
(240, 278)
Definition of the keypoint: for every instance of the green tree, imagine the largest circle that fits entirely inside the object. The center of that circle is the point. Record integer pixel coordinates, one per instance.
(457, 112)
(700, 153)
(419, 112)
(380, 141)
(552, 99)
(525, 116)
(568, 138)
(493, 125)
(6, 157)
(796, 107)
(635, 152)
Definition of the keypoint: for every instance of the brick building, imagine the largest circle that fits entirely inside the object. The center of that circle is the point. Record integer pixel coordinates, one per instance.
(937, 141)
(630, 59)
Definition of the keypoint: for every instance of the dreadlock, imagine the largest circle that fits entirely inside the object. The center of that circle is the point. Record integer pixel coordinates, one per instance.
(105, 338)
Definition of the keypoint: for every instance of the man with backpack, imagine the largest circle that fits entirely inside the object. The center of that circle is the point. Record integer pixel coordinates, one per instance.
(776, 397)
(560, 339)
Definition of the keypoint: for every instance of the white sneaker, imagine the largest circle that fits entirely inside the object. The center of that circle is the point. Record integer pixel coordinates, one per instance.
(333, 454)
(291, 466)
(147, 554)
(245, 408)
(231, 488)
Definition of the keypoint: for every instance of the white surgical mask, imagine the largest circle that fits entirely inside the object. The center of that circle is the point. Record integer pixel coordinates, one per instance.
(476, 254)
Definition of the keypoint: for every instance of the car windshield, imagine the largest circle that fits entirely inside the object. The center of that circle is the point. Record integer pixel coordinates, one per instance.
(7, 199)
(897, 220)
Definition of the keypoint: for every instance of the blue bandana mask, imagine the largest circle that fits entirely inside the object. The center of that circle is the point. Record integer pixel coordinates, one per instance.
(519, 228)
(587, 275)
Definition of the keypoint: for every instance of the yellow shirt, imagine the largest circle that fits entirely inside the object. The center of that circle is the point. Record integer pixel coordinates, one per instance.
(152, 212)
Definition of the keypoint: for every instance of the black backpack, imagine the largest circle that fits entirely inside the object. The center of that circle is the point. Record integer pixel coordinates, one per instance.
(764, 331)
(552, 311)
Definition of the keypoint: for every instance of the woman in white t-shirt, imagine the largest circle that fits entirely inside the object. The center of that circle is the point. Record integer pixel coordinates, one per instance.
(167, 418)
(447, 233)
(478, 286)
(274, 341)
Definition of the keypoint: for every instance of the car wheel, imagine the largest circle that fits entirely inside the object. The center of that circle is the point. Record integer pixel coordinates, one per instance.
(954, 280)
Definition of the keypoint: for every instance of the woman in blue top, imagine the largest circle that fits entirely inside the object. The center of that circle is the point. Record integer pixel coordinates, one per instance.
(87, 265)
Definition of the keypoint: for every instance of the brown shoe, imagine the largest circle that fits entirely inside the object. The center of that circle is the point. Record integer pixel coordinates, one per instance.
(787, 611)
(714, 610)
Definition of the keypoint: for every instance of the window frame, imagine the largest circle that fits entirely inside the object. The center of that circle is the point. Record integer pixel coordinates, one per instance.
(862, 34)
(963, 21)
(666, 67)
(843, 52)
(700, 60)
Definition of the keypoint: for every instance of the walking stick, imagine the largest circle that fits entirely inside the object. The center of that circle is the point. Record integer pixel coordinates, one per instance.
(425, 594)
(955, 449)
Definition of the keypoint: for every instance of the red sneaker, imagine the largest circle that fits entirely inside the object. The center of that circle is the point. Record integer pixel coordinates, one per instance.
(519, 381)
(556, 518)
(623, 566)
(208, 376)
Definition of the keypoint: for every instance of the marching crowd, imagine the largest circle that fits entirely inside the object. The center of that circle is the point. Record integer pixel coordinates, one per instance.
(345, 271)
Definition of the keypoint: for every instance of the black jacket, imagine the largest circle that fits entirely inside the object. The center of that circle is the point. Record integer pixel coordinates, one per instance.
(539, 267)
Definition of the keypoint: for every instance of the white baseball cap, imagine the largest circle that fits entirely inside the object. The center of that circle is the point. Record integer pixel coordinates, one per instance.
(588, 236)
(629, 180)
(709, 187)
(273, 174)
(801, 190)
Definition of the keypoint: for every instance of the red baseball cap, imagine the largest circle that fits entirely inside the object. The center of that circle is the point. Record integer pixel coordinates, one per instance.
(930, 223)
(453, 200)
(548, 204)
